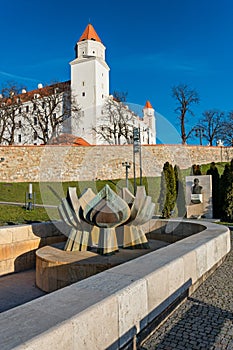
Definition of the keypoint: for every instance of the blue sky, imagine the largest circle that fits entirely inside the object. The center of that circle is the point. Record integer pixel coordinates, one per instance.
(152, 45)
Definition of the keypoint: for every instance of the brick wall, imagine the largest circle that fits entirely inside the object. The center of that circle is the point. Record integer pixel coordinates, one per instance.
(67, 163)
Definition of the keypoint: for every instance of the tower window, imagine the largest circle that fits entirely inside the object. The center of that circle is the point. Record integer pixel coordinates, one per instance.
(83, 83)
(93, 51)
(102, 96)
(35, 121)
(20, 109)
(83, 94)
(35, 136)
(19, 138)
(27, 109)
(20, 124)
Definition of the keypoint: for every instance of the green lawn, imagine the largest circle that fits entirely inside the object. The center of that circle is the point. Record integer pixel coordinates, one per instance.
(11, 215)
(51, 193)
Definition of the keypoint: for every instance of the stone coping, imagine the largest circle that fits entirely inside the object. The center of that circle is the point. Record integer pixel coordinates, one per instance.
(108, 310)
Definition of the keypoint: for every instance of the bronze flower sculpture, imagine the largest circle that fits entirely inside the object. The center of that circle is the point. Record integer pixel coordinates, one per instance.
(105, 219)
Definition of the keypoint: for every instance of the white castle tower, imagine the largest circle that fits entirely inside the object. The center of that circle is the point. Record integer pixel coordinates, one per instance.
(89, 82)
(149, 120)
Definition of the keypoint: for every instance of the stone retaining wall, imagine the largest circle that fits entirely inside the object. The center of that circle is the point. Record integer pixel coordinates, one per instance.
(109, 310)
(19, 243)
(63, 163)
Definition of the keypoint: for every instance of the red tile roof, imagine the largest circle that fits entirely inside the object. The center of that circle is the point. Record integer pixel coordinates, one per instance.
(44, 91)
(90, 34)
(68, 139)
(148, 105)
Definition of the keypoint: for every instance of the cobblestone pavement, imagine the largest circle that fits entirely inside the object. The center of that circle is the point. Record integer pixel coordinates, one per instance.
(205, 320)
(17, 289)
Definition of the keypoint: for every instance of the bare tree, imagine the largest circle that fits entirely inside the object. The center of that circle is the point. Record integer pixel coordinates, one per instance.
(211, 124)
(185, 97)
(116, 122)
(120, 96)
(10, 105)
(51, 106)
(227, 130)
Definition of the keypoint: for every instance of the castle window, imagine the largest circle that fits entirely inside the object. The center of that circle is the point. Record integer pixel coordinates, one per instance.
(35, 136)
(54, 115)
(20, 109)
(35, 121)
(27, 109)
(102, 96)
(34, 106)
(19, 138)
(43, 105)
(83, 83)
(93, 52)
(83, 94)
(20, 124)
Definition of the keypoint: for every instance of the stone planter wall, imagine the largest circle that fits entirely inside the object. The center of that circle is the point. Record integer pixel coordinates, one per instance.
(19, 243)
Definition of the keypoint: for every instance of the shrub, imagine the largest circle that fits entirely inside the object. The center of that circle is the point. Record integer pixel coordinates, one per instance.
(167, 197)
(180, 192)
(215, 189)
(226, 193)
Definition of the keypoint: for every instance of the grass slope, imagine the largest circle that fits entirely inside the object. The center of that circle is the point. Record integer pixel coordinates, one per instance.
(51, 193)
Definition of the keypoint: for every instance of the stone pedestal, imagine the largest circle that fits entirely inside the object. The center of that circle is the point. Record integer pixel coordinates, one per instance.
(199, 204)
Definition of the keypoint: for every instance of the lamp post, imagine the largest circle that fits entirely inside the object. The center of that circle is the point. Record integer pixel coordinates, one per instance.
(148, 135)
(199, 130)
(137, 149)
(127, 167)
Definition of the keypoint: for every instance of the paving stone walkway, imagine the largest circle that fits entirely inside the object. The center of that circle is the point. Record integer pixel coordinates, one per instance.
(205, 320)
(17, 289)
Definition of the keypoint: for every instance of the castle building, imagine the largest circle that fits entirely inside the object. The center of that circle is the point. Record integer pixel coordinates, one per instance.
(82, 106)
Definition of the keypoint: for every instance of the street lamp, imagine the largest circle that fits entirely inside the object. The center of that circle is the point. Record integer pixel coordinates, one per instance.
(127, 167)
(137, 149)
(199, 130)
(148, 135)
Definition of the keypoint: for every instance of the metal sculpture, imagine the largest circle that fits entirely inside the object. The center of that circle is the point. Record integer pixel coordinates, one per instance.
(100, 220)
